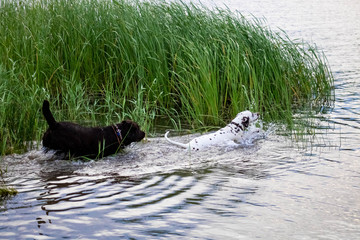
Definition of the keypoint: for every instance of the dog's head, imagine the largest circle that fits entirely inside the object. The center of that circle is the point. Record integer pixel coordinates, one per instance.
(130, 132)
(245, 118)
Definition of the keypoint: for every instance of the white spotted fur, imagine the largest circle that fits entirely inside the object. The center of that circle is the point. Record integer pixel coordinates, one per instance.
(225, 136)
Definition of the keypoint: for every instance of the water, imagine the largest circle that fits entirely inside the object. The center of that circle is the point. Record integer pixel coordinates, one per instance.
(273, 189)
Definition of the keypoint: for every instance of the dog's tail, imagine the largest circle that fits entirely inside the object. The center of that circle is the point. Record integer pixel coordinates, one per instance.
(48, 115)
(175, 143)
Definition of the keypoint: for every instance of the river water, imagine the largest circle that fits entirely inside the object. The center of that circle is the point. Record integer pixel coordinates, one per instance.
(276, 188)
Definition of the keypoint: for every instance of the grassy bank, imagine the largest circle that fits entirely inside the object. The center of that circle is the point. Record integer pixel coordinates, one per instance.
(102, 61)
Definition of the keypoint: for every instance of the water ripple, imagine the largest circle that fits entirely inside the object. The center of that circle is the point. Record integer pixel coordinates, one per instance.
(277, 188)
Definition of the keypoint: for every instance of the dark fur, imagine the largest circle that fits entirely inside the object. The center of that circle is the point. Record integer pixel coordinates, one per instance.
(90, 142)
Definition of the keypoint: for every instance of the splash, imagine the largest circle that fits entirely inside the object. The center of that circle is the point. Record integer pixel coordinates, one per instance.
(255, 132)
(153, 156)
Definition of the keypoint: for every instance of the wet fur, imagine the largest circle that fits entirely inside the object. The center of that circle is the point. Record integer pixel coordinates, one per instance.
(91, 142)
(225, 136)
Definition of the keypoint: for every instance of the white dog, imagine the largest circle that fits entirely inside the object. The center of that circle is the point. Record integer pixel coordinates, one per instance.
(225, 136)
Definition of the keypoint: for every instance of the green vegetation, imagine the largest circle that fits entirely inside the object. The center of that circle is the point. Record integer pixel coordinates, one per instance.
(7, 192)
(99, 62)
(4, 190)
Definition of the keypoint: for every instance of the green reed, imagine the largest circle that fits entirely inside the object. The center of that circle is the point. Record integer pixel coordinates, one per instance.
(99, 62)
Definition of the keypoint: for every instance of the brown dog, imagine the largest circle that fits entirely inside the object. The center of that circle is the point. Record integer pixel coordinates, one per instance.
(89, 142)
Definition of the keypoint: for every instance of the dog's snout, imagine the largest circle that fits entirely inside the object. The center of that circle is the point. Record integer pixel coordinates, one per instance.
(256, 115)
(142, 135)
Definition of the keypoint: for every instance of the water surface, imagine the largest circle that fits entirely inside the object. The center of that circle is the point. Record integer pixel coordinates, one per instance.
(276, 188)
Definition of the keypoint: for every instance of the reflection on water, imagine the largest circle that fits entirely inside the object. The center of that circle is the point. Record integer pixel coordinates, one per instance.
(151, 189)
(155, 189)
(276, 188)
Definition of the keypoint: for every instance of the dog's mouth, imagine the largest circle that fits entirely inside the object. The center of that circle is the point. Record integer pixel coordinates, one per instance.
(141, 136)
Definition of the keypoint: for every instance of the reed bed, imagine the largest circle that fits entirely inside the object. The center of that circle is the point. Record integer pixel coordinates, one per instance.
(99, 62)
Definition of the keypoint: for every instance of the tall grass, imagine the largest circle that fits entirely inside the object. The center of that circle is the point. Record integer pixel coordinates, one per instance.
(102, 61)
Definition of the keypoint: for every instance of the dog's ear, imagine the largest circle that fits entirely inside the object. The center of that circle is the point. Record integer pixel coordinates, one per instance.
(128, 124)
(124, 123)
(245, 121)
